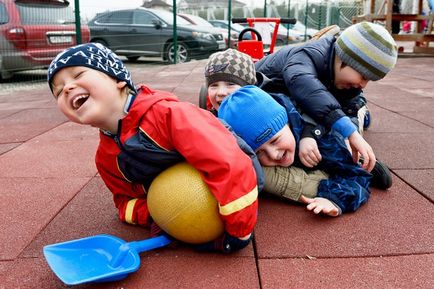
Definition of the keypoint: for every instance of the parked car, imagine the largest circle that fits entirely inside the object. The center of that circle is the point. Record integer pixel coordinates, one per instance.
(310, 32)
(282, 37)
(220, 34)
(235, 28)
(286, 36)
(32, 33)
(149, 32)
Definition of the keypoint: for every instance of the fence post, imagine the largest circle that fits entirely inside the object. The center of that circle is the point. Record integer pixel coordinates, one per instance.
(306, 11)
(229, 22)
(265, 8)
(287, 25)
(77, 21)
(175, 35)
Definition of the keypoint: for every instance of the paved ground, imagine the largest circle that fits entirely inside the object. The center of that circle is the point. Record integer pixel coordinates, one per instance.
(51, 192)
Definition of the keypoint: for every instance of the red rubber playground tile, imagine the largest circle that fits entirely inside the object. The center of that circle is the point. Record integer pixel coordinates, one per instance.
(421, 180)
(50, 193)
(64, 152)
(394, 222)
(29, 123)
(404, 150)
(91, 212)
(218, 271)
(27, 205)
(409, 272)
(385, 121)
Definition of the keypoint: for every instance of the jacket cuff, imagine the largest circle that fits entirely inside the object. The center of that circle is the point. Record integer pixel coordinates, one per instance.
(344, 126)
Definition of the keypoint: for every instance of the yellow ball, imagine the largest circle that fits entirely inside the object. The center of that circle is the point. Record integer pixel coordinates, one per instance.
(182, 205)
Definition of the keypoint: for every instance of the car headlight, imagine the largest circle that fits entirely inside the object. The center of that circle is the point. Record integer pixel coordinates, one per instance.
(207, 36)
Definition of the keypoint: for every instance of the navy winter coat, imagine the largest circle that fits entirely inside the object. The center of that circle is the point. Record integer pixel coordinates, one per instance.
(348, 183)
(305, 73)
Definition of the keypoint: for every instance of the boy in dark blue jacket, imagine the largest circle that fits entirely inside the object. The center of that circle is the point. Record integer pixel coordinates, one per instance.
(273, 128)
(325, 78)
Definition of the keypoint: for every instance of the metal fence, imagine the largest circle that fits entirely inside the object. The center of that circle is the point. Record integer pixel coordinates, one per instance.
(17, 44)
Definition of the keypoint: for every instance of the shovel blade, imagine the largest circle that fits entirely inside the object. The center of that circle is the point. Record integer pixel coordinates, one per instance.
(89, 260)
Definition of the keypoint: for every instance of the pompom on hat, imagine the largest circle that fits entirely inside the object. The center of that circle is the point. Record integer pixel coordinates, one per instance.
(230, 65)
(368, 48)
(92, 55)
(253, 114)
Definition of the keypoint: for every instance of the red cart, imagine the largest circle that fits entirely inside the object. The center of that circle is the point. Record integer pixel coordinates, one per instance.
(253, 47)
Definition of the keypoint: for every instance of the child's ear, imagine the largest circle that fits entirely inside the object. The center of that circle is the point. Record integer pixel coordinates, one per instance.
(121, 84)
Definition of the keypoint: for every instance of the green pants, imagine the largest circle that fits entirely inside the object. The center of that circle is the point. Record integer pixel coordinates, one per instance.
(292, 182)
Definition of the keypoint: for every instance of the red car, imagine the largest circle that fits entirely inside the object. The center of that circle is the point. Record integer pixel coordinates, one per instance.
(32, 33)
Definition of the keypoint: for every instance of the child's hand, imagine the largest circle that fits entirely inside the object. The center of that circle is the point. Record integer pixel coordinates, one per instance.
(309, 153)
(359, 146)
(321, 205)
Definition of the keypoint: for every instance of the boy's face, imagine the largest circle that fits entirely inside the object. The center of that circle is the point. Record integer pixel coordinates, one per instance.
(279, 150)
(347, 78)
(219, 90)
(87, 96)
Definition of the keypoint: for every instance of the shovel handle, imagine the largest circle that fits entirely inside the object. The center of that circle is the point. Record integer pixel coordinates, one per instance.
(138, 246)
(150, 244)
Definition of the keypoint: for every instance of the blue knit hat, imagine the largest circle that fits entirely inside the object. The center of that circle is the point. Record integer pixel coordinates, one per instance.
(253, 114)
(92, 55)
(368, 48)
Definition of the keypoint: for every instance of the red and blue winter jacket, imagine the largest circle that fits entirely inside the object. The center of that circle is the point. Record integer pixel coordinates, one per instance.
(160, 131)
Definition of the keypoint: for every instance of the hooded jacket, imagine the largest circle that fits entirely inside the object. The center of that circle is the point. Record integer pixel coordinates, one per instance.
(305, 73)
(348, 183)
(158, 132)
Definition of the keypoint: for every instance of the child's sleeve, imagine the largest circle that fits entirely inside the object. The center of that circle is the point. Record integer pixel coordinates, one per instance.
(348, 183)
(302, 81)
(129, 198)
(209, 147)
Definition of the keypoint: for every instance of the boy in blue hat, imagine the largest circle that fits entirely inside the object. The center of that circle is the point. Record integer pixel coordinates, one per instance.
(225, 72)
(272, 127)
(144, 131)
(325, 79)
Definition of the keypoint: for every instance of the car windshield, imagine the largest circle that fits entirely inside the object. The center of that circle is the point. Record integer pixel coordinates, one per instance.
(35, 14)
(200, 21)
(168, 18)
(281, 28)
(237, 27)
(234, 26)
(299, 26)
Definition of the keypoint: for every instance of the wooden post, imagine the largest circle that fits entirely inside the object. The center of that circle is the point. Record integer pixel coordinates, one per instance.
(389, 8)
(372, 7)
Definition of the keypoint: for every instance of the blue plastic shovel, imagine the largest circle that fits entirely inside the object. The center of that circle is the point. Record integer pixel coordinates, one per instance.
(99, 258)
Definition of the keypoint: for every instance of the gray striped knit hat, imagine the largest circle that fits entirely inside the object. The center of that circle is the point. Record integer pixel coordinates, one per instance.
(368, 48)
(232, 66)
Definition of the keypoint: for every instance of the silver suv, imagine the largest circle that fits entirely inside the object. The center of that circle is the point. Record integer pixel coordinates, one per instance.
(149, 32)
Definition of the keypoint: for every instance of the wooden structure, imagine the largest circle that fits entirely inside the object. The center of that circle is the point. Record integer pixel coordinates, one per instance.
(385, 14)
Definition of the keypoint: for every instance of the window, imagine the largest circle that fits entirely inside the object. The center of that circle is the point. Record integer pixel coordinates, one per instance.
(3, 14)
(117, 17)
(168, 18)
(217, 24)
(38, 14)
(144, 18)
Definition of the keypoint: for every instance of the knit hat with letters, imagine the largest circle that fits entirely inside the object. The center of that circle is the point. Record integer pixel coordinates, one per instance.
(253, 114)
(230, 65)
(368, 48)
(92, 55)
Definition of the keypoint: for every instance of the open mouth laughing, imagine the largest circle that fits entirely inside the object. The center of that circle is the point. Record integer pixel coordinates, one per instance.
(79, 100)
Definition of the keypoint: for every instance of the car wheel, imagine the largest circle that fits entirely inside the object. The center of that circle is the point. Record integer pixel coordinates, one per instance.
(183, 53)
(279, 42)
(133, 58)
(203, 96)
(100, 42)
